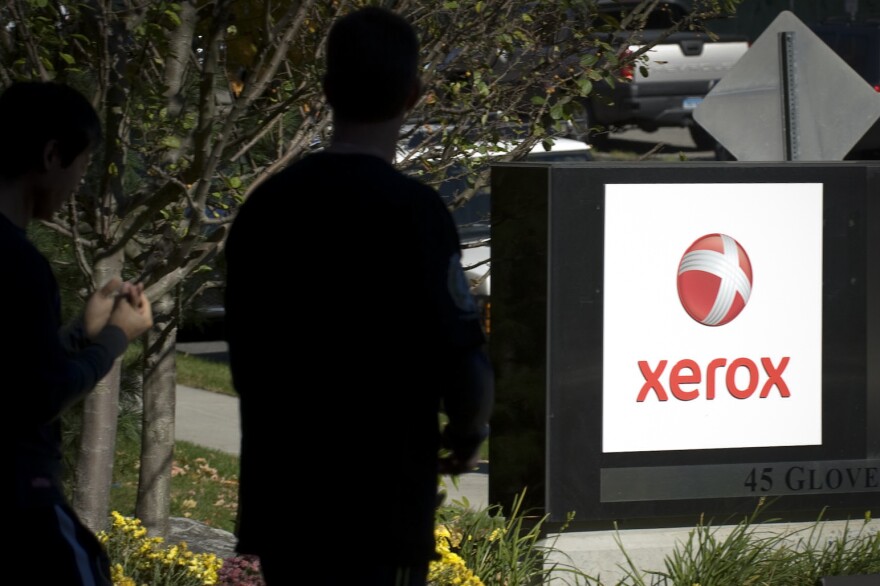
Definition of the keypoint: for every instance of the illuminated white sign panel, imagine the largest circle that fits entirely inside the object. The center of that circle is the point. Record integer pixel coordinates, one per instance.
(713, 316)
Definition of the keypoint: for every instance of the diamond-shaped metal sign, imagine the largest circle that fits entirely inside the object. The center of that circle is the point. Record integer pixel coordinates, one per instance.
(789, 97)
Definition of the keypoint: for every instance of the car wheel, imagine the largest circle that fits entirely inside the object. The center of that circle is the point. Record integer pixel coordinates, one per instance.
(722, 154)
(702, 139)
(584, 127)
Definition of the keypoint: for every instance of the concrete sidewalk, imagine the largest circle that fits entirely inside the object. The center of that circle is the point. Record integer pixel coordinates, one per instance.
(207, 419)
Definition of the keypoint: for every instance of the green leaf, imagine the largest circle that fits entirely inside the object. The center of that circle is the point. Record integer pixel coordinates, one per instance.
(68, 58)
(171, 142)
(589, 60)
(172, 16)
(538, 100)
(234, 182)
(585, 86)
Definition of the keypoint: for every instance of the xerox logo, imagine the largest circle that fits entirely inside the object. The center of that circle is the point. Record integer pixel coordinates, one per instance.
(714, 279)
(685, 385)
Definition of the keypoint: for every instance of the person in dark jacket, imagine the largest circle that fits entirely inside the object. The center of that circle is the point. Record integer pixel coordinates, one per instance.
(49, 131)
(368, 348)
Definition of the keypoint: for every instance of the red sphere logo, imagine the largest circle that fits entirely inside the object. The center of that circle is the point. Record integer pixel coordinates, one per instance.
(714, 279)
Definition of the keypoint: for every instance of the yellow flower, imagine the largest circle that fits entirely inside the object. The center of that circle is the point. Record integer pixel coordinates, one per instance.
(450, 568)
(138, 560)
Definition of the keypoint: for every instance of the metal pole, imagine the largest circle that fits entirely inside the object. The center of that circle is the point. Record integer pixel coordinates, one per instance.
(788, 82)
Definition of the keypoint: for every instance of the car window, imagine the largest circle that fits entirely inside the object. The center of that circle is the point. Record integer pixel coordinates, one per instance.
(662, 17)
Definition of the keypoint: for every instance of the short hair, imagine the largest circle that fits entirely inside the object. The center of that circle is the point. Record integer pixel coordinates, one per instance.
(32, 113)
(372, 64)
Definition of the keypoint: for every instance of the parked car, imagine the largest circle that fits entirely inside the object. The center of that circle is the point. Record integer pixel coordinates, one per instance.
(663, 91)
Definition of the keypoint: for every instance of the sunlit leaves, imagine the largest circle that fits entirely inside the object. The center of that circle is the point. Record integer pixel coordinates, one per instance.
(171, 142)
(489, 67)
(173, 18)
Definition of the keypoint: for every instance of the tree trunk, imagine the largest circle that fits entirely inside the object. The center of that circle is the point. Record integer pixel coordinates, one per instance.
(94, 466)
(157, 435)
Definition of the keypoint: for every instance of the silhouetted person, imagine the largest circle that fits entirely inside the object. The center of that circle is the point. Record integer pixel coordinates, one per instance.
(49, 131)
(350, 325)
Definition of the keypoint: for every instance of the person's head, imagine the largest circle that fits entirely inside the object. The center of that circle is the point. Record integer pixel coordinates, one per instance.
(372, 70)
(49, 131)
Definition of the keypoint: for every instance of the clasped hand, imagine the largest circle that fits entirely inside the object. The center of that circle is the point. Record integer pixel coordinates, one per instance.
(118, 303)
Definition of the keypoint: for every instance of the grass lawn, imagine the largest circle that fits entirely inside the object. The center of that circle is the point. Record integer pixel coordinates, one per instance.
(204, 483)
(199, 373)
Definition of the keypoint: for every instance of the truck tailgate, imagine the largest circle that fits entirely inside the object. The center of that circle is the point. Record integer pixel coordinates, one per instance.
(689, 61)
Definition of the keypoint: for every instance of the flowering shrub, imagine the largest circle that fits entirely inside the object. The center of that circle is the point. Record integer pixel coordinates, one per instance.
(450, 569)
(241, 570)
(136, 559)
(503, 550)
(139, 560)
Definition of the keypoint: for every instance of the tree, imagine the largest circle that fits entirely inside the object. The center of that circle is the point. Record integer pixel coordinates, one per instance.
(202, 100)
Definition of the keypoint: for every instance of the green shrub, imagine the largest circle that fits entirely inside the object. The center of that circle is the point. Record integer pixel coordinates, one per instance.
(504, 550)
(754, 553)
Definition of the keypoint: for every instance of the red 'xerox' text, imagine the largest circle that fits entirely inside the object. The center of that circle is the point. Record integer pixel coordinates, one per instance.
(688, 372)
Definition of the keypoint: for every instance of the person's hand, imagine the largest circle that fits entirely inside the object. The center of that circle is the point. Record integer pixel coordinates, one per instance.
(100, 305)
(133, 313)
(460, 451)
(453, 465)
